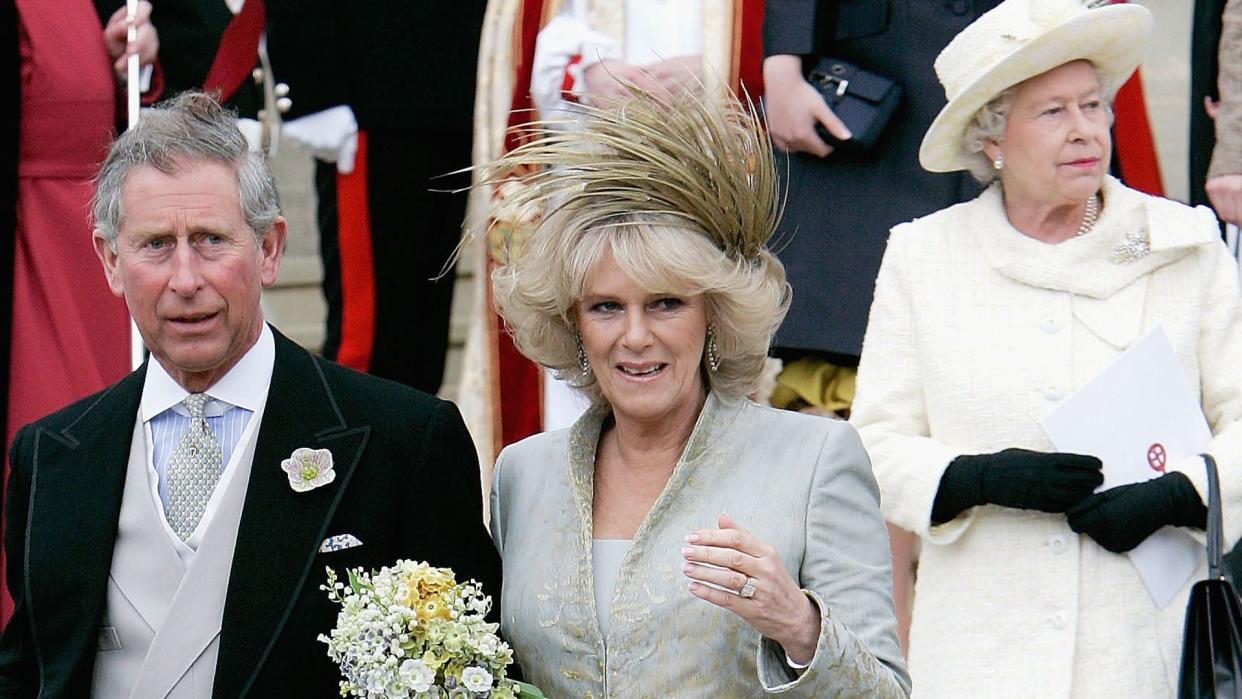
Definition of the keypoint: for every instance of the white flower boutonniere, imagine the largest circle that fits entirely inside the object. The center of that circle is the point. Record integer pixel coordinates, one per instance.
(308, 469)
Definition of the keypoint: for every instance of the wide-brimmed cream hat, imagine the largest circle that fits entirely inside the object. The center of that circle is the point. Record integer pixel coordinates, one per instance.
(1020, 39)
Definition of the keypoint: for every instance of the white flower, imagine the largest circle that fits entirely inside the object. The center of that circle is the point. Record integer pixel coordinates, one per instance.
(384, 650)
(488, 645)
(308, 469)
(396, 690)
(376, 682)
(476, 679)
(417, 675)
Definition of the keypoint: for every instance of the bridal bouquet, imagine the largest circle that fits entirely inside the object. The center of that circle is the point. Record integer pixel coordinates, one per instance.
(412, 631)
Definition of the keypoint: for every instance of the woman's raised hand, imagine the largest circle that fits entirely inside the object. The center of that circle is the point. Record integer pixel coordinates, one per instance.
(755, 585)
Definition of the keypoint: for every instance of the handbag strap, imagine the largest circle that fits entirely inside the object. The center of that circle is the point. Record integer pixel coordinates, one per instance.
(1214, 526)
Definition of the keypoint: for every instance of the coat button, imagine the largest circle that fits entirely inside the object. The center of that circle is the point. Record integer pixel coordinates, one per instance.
(1059, 620)
(1057, 544)
(1053, 392)
(1050, 326)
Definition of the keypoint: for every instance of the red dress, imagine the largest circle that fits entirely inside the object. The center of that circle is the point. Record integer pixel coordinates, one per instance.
(69, 335)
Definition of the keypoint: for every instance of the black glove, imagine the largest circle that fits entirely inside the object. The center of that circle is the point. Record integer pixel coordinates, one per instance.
(1018, 478)
(1121, 518)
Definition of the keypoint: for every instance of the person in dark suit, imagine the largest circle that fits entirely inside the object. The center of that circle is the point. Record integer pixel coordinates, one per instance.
(842, 204)
(170, 534)
(383, 93)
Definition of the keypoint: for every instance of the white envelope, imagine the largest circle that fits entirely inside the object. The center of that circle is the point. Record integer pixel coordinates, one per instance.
(1138, 416)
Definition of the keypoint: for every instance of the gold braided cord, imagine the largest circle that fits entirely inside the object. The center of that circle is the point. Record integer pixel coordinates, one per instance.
(706, 161)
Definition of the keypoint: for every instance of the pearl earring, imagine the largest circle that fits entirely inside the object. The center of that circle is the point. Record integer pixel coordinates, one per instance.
(998, 163)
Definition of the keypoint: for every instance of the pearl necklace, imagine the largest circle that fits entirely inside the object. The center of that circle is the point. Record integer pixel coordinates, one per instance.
(1090, 216)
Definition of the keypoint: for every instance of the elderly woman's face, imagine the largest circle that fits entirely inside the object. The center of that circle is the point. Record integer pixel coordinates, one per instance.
(645, 348)
(1056, 146)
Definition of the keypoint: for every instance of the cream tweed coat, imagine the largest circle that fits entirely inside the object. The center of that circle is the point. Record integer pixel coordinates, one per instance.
(977, 332)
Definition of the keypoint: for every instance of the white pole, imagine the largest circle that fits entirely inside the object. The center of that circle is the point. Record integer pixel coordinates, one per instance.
(132, 102)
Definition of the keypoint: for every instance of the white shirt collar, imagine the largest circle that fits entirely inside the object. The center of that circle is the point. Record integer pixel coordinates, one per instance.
(245, 385)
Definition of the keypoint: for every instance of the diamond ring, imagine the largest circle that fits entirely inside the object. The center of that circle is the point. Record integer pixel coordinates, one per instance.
(748, 589)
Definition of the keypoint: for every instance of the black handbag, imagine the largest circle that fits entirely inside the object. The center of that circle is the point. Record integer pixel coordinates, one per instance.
(863, 100)
(1212, 640)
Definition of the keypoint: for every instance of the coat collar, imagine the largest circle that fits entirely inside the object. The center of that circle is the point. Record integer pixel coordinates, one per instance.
(1084, 265)
(281, 530)
(708, 437)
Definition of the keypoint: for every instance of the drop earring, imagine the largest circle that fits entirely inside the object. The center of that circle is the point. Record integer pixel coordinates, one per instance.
(713, 353)
(584, 364)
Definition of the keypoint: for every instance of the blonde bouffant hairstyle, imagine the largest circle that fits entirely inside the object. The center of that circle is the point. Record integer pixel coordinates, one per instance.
(682, 191)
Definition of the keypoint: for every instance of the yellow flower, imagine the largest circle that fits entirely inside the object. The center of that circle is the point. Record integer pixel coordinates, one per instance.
(426, 582)
(434, 660)
(432, 607)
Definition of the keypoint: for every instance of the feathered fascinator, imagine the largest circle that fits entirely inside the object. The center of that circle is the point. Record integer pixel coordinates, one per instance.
(706, 161)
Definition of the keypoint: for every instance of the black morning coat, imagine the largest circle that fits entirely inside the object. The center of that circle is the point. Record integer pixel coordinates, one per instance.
(407, 486)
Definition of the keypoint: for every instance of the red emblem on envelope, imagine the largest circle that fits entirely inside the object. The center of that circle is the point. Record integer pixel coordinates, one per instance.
(1156, 457)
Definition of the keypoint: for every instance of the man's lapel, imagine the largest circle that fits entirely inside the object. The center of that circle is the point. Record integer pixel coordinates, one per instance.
(281, 530)
(75, 500)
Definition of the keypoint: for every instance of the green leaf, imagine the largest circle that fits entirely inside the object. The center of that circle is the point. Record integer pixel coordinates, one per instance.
(528, 691)
(354, 582)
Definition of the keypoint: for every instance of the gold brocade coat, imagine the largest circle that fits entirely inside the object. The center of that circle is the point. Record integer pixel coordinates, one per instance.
(803, 484)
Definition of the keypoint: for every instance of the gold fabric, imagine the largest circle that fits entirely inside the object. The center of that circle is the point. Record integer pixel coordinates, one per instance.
(813, 382)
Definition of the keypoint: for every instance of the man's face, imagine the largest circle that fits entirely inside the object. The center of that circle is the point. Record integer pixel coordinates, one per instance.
(190, 268)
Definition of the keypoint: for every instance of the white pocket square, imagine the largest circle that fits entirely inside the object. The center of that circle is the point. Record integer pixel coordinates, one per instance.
(339, 543)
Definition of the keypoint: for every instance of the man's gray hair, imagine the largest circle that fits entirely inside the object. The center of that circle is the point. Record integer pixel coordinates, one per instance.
(171, 138)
